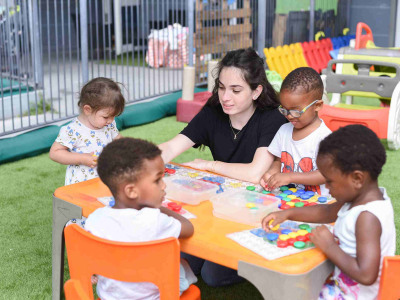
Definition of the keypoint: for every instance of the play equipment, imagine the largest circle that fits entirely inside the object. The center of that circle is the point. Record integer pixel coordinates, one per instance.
(186, 110)
(363, 39)
(131, 262)
(384, 121)
(284, 59)
(389, 275)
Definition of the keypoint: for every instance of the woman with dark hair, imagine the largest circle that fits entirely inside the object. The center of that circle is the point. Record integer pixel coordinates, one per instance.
(237, 123)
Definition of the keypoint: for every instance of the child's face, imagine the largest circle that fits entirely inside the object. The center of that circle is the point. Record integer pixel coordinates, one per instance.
(100, 118)
(234, 94)
(340, 185)
(297, 101)
(150, 187)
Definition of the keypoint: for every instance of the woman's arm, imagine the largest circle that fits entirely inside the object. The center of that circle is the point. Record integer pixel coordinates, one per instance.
(62, 155)
(251, 172)
(174, 147)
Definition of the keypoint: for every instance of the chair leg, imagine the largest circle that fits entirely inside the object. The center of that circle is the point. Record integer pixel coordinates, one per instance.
(62, 213)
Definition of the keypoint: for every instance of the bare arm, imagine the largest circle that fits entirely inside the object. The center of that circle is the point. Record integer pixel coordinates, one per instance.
(174, 147)
(251, 172)
(62, 155)
(187, 228)
(274, 169)
(307, 178)
(312, 214)
(363, 268)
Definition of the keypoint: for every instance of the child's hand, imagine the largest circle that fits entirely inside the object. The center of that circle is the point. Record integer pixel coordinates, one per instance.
(264, 180)
(322, 238)
(89, 159)
(200, 164)
(277, 180)
(276, 218)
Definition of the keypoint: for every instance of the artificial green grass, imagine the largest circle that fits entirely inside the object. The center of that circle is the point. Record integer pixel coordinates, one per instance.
(27, 186)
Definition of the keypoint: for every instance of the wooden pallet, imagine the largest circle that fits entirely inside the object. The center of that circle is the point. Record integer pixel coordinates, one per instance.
(215, 36)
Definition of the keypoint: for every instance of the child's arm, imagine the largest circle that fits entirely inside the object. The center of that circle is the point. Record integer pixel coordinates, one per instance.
(307, 178)
(274, 169)
(363, 268)
(312, 214)
(62, 155)
(187, 228)
(251, 172)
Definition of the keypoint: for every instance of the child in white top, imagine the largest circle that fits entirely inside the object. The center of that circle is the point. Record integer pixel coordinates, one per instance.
(133, 170)
(295, 145)
(80, 142)
(351, 160)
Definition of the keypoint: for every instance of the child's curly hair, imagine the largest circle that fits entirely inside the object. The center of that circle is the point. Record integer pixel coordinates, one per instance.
(122, 160)
(355, 147)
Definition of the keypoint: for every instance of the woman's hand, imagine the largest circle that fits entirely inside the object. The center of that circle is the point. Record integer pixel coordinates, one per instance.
(200, 164)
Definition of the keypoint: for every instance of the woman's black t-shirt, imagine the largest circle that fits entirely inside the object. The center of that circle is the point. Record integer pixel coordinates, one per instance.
(210, 127)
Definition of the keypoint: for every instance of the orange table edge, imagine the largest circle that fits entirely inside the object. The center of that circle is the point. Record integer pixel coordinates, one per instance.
(209, 242)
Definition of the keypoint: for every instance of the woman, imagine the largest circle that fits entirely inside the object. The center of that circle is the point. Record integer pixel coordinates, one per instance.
(237, 123)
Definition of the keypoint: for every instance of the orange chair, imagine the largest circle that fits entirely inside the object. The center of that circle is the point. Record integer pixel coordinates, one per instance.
(155, 261)
(388, 289)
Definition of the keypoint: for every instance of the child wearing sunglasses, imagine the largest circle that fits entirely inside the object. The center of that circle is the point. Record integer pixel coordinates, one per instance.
(295, 145)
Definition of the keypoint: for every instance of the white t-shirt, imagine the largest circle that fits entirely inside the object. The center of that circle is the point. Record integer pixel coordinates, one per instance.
(301, 155)
(131, 225)
(345, 231)
(81, 139)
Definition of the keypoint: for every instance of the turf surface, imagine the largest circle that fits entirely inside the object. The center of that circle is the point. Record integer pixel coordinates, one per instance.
(26, 192)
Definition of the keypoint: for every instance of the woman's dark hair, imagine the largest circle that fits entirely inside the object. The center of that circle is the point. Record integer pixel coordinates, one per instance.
(252, 67)
(100, 93)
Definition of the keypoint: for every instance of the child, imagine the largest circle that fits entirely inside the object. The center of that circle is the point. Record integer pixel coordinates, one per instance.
(350, 159)
(80, 142)
(133, 170)
(295, 145)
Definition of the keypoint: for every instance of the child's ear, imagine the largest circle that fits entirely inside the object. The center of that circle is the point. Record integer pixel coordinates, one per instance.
(319, 105)
(358, 178)
(87, 110)
(131, 190)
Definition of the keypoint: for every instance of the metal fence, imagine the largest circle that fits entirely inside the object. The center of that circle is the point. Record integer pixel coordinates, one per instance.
(50, 48)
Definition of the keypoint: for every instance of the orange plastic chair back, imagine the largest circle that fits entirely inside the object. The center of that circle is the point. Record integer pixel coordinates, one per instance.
(389, 289)
(362, 39)
(155, 261)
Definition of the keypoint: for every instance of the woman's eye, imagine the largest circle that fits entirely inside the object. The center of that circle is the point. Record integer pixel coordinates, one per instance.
(236, 92)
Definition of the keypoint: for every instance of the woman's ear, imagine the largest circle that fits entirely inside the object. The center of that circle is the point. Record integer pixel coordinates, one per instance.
(257, 92)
